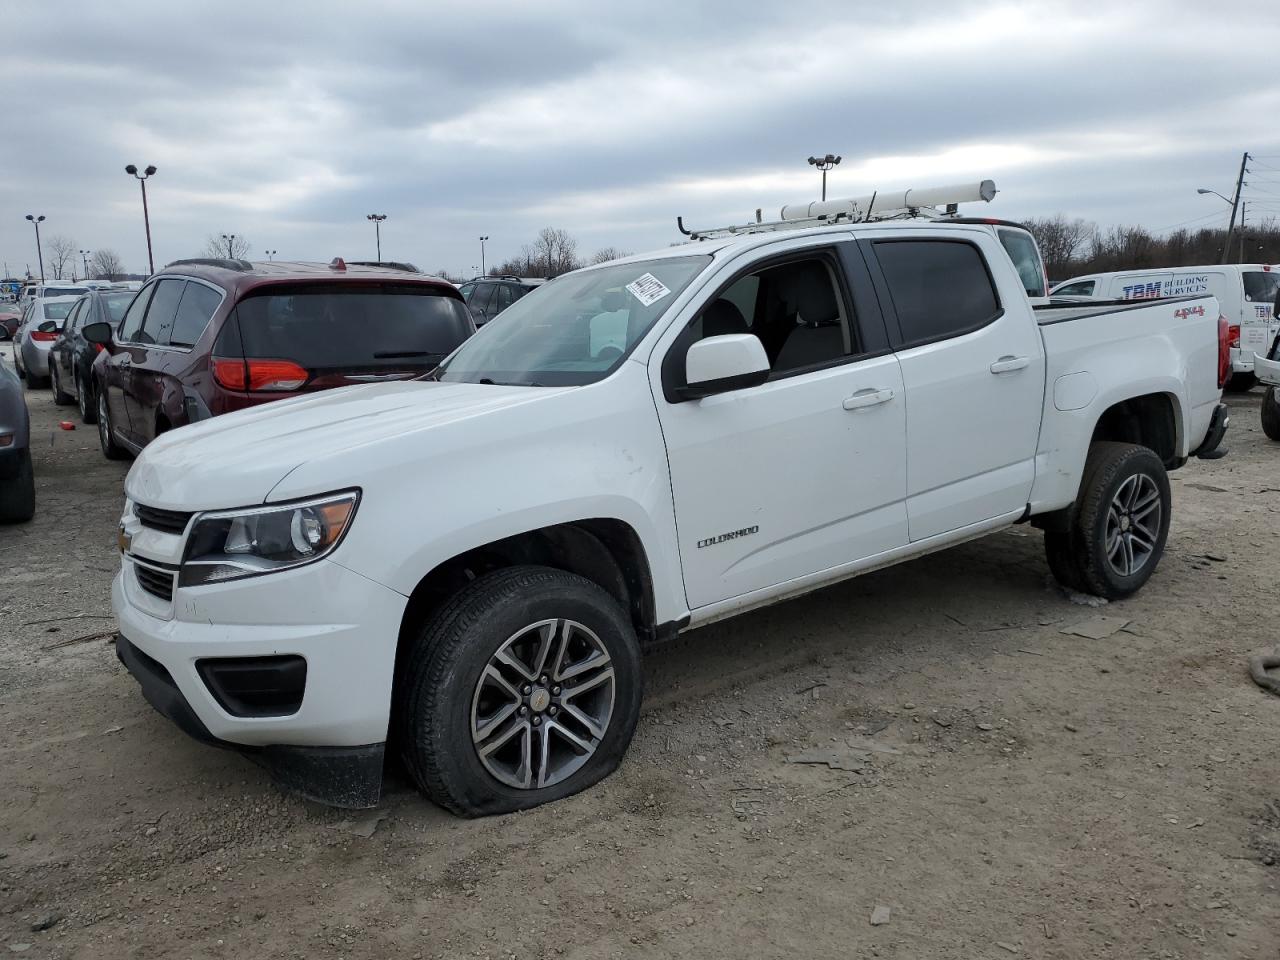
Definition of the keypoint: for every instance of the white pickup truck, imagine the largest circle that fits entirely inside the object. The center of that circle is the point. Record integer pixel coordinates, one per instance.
(467, 565)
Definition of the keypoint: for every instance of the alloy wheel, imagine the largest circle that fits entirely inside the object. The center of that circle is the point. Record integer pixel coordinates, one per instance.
(104, 423)
(1133, 524)
(543, 704)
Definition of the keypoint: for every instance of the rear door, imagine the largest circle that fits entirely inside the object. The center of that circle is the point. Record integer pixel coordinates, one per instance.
(973, 372)
(1258, 322)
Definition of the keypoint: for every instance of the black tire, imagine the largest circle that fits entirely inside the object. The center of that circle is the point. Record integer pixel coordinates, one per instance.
(110, 449)
(443, 667)
(18, 496)
(1060, 550)
(1271, 413)
(60, 397)
(1241, 382)
(1108, 467)
(87, 402)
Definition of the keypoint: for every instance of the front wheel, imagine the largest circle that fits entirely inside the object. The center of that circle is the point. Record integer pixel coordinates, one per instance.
(1119, 523)
(523, 688)
(1271, 413)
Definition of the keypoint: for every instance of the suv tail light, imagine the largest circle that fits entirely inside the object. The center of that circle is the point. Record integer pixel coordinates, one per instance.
(258, 375)
(44, 337)
(1233, 335)
(1224, 349)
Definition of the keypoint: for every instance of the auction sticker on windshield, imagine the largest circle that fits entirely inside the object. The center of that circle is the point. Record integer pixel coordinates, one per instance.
(648, 289)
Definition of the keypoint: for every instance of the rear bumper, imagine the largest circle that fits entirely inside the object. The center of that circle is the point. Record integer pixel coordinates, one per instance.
(339, 776)
(1218, 424)
(1268, 371)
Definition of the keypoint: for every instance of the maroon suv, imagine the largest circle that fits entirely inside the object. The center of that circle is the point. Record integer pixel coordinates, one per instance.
(205, 337)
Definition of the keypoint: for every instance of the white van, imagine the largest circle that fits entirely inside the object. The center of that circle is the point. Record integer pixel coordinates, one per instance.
(1246, 295)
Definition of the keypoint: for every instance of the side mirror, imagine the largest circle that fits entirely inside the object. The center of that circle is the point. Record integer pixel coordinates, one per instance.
(720, 364)
(99, 332)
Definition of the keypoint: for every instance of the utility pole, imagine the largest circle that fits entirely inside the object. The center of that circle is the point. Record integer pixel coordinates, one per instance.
(132, 170)
(35, 222)
(1235, 205)
(377, 219)
(482, 240)
(84, 255)
(1243, 205)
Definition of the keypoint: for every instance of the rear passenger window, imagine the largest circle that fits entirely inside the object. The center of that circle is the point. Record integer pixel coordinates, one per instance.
(194, 313)
(131, 325)
(161, 312)
(940, 288)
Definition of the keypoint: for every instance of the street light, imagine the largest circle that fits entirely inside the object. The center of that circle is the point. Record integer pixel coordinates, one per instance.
(271, 254)
(1203, 190)
(146, 217)
(824, 164)
(377, 219)
(84, 255)
(231, 239)
(35, 222)
(482, 240)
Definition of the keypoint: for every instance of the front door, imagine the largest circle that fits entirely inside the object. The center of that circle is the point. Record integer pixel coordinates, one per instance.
(973, 369)
(805, 472)
(116, 375)
(143, 379)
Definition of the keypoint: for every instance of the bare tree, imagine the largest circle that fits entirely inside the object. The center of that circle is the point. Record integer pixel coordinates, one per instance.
(106, 265)
(1062, 242)
(609, 253)
(234, 248)
(555, 251)
(62, 253)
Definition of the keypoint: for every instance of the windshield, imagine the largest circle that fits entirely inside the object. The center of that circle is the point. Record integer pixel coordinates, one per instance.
(332, 327)
(574, 330)
(1260, 287)
(117, 303)
(58, 311)
(64, 291)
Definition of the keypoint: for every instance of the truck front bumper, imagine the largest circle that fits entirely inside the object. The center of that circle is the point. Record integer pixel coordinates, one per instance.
(293, 669)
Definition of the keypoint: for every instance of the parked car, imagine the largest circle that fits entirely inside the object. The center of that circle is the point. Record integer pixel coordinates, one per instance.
(133, 285)
(71, 356)
(204, 337)
(9, 320)
(39, 329)
(1246, 294)
(488, 296)
(468, 562)
(17, 481)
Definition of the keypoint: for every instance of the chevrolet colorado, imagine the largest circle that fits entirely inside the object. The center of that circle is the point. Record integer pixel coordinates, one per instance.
(465, 566)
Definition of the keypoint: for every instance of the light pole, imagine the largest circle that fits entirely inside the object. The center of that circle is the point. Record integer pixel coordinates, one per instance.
(377, 219)
(146, 217)
(824, 164)
(231, 239)
(84, 255)
(35, 222)
(482, 240)
(271, 254)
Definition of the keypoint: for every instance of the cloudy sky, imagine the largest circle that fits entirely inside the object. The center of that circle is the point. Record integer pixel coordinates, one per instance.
(288, 122)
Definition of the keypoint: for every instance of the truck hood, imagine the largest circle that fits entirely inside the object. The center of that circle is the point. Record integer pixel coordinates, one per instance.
(236, 459)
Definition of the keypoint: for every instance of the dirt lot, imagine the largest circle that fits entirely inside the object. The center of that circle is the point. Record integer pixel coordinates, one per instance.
(1026, 792)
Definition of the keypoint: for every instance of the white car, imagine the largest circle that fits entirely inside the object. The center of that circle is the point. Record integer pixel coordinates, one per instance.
(1246, 295)
(34, 339)
(469, 563)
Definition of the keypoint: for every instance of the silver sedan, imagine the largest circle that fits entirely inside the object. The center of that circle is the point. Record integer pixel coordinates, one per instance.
(36, 335)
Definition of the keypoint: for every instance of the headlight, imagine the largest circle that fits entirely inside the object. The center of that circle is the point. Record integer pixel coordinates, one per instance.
(231, 544)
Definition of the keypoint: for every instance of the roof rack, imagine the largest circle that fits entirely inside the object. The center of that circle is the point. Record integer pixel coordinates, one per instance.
(875, 207)
(388, 264)
(240, 266)
(506, 276)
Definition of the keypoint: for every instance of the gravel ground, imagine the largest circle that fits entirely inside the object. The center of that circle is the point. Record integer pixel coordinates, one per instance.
(1008, 789)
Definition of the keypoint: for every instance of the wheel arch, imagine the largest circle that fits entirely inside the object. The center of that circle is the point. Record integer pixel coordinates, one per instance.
(1153, 420)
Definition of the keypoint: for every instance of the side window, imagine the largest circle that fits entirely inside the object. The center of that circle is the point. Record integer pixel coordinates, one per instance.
(1082, 289)
(164, 306)
(194, 313)
(72, 321)
(1025, 255)
(502, 298)
(131, 325)
(480, 298)
(939, 288)
(794, 308)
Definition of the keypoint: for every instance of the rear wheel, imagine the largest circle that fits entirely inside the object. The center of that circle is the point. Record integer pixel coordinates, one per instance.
(110, 449)
(18, 495)
(1271, 413)
(86, 402)
(60, 397)
(523, 688)
(1119, 523)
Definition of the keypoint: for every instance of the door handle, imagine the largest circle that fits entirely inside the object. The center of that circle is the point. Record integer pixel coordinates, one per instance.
(867, 398)
(1008, 364)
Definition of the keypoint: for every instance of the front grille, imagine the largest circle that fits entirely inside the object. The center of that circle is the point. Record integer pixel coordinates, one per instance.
(169, 521)
(158, 583)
